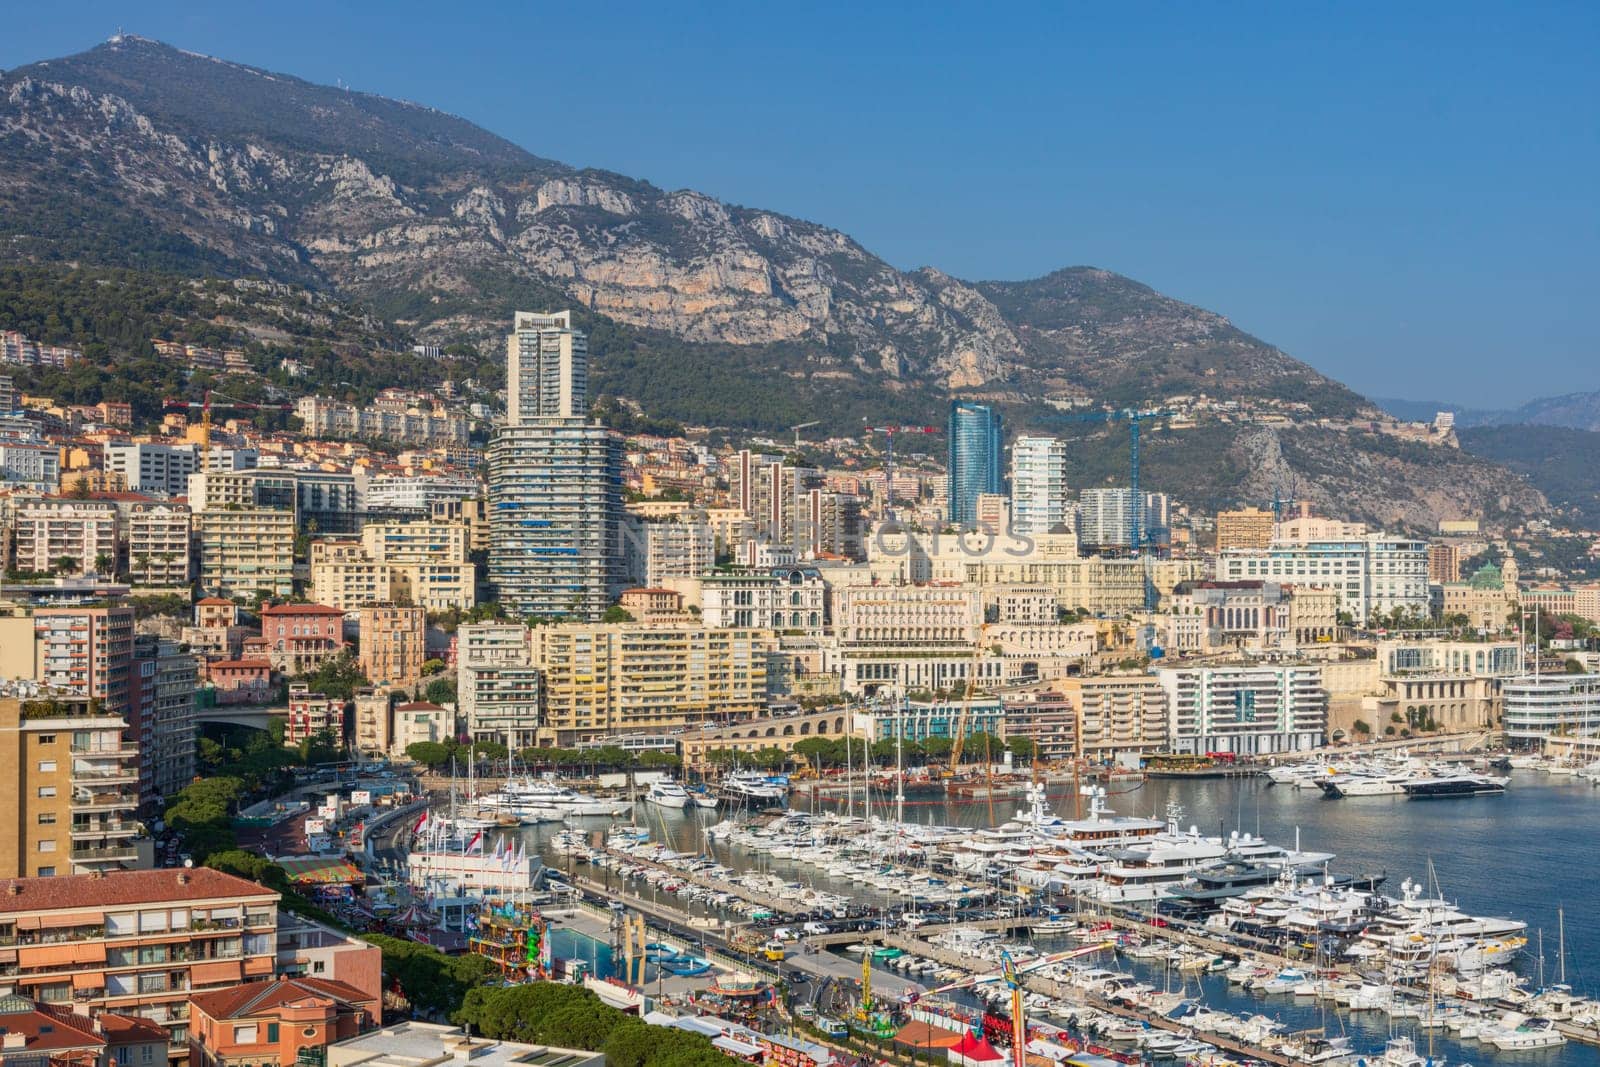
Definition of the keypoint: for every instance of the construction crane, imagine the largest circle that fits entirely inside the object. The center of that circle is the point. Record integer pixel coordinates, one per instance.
(889, 433)
(803, 426)
(1139, 533)
(205, 406)
(1011, 973)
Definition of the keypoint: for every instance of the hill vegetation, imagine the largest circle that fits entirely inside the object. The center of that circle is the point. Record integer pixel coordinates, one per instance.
(1559, 462)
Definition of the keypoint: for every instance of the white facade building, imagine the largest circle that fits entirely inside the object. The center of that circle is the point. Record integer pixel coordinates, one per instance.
(1245, 710)
(1038, 484)
(30, 466)
(547, 368)
(154, 468)
(1552, 705)
(1376, 573)
(677, 550)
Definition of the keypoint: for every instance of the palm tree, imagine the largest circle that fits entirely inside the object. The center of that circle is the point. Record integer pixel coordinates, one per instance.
(65, 564)
(104, 564)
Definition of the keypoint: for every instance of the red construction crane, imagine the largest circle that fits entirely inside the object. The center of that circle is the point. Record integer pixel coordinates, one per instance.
(889, 433)
(205, 406)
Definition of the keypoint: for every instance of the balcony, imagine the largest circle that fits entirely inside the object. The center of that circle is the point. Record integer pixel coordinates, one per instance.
(84, 800)
(108, 854)
(88, 831)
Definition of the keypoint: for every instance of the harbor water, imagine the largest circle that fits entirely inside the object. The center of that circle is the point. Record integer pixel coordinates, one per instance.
(1532, 853)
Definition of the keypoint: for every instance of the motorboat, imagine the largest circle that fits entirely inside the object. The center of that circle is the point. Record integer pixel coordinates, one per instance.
(1464, 784)
(668, 794)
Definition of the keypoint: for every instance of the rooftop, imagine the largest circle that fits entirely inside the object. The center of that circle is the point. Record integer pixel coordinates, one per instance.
(121, 888)
(300, 609)
(255, 998)
(416, 1044)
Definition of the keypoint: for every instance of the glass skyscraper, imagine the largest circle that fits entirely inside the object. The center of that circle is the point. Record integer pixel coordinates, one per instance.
(975, 439)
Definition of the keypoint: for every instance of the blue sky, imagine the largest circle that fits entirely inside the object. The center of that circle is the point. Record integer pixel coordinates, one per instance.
(1403, 195)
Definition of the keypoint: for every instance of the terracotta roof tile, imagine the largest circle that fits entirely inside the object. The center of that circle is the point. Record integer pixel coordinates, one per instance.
(80, 891)
(254, 998)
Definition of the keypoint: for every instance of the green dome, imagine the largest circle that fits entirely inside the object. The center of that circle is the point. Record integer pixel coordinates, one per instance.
(1487, 577)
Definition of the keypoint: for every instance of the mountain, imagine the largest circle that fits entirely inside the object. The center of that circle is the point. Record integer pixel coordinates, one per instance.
(1558, 461)
(142, 156)
(1573, 411)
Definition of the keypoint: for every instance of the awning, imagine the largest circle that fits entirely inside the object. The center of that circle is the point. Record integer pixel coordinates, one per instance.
(88, 981)
(72, 918)
(27, 922)
(89, 952)
(736, 1047)
(62, 955)
(209, 973)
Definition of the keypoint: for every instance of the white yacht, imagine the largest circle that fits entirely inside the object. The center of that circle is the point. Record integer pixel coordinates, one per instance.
(666, 794)
(753, 786)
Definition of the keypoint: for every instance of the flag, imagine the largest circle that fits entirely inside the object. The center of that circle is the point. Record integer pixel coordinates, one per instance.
(476, 844)
(417, 829)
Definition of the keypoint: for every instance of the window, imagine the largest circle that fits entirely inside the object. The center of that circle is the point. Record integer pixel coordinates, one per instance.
(121, 924)
(47, 739)
(245, 1035)
(47, 846)
(47, 818)
(47, 872)
(272, 1033)
(47, 766)
(47, 792)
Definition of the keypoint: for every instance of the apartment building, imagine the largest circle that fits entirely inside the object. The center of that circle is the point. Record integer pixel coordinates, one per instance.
(424, 563)
(1046, 718)
(547, 368)
(1117, 716)
(324, 417)
(1249, 529)
(153, 469)
(65, 537)
(30, 466)
(1247, 710)
(677, 550)
(393, 644)
(602, 679)
(83, 650)
(161, 716)
(1039, 484)
(158, 546)
(311, 714)
(136, 942)
(75, 790)
(374, 721)
(421, 721)
(302, 637)
(555, 498)
(245, 550)
(498, 688)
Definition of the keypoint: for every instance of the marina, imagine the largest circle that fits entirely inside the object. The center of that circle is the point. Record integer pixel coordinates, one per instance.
(1413, 839)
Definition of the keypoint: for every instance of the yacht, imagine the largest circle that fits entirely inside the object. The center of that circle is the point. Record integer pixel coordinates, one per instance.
(753, 786)
(1465, 784)
(668, 794)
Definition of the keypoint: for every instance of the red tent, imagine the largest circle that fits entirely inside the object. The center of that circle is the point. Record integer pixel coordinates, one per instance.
(974, 1050)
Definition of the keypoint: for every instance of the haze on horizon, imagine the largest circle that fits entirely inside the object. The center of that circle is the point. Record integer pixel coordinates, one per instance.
(1403, 198)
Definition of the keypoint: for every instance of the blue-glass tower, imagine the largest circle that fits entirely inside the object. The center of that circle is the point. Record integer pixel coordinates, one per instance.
(974, 467)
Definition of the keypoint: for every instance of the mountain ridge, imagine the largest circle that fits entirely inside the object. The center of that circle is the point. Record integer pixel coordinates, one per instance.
(137, 154)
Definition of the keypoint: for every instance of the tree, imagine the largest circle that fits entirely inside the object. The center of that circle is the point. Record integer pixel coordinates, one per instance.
(659, 759)
(818, 751)
(104, 563)
(433, 982)
(432, 666)
(938, 748)
(616, 613)
(65, 564)
(440, 691)
(339, 676)
(433, 754)
(1021, 748)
